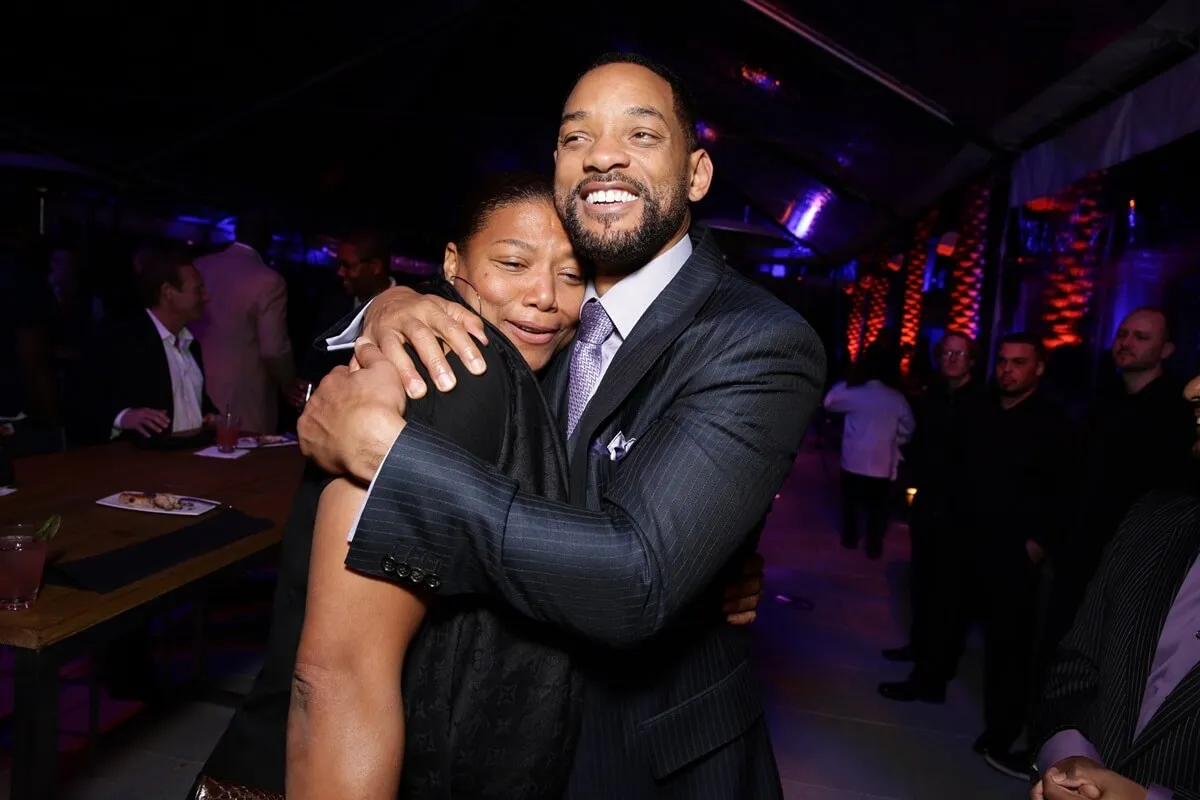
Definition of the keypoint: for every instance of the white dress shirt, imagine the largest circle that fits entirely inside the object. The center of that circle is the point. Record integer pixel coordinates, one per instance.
(187, 382)
(878, 422)
(627, 301)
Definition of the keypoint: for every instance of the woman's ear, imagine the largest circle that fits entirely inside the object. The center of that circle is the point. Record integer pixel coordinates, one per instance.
(450, 262)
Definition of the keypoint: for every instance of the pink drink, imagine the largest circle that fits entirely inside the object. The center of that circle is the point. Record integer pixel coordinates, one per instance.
(227, 439)
(228, 431)
(21, 561)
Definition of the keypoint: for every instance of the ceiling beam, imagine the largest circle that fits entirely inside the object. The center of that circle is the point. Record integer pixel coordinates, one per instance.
(860, 65)
(1161, 41)
(870, 71)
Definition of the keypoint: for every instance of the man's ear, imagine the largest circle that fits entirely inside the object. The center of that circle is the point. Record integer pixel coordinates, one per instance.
(700, 172)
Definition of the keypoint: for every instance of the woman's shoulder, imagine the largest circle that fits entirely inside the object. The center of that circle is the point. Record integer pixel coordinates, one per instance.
(474, 414)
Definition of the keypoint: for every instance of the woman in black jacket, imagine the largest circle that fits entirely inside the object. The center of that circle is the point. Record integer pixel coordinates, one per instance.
(491, 703)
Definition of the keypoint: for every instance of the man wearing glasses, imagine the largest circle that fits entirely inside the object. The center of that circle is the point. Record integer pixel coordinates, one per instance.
(939, 414)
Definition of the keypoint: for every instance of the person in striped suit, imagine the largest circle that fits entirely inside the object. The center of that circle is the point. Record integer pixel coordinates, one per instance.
(683, 401)
(1120, 714)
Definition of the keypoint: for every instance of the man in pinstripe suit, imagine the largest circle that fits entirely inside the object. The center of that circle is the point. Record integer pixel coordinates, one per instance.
(684, 400)
(1120, 717)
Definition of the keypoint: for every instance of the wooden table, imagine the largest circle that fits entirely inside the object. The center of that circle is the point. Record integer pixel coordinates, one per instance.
(66, 622)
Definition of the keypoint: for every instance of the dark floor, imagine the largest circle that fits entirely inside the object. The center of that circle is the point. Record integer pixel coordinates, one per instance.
(835, 738)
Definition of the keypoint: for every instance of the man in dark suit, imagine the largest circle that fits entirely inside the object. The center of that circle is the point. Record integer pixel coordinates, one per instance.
(1120, 713)
(144, 376)
(364, 268)
(683, 399)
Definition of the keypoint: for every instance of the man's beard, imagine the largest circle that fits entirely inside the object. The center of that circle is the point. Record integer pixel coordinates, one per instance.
(661, 219)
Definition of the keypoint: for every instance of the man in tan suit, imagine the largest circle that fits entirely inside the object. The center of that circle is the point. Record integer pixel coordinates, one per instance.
(247, 353)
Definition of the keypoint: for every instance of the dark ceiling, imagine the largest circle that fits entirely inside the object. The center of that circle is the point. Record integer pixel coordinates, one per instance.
(348, 112)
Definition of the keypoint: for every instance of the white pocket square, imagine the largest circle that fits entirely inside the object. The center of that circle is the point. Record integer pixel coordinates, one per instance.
(618, 448)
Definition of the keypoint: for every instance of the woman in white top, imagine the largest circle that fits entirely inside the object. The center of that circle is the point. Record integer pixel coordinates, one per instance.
(878, 422)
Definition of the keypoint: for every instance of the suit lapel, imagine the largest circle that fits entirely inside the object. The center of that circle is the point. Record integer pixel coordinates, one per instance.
(160, 373)
(554, 387)
(667, 317)
(1156, 592)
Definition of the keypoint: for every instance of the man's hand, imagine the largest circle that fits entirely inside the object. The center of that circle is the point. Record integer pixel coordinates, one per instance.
(1082, 777)
(351, 421)
(1065, 777)
(400, 315)
(743, 596)
(297, 393)
(146, 421)
(1035, 551)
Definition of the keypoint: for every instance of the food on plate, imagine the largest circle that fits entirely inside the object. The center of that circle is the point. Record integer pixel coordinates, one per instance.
(271, 438)
(165, 502)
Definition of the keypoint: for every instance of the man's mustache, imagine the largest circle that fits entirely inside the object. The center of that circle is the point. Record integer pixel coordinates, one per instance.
(613, 177)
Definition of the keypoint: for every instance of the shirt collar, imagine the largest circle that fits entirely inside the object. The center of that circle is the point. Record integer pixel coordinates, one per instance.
(627, 302)
(391, 285)
(184, 339)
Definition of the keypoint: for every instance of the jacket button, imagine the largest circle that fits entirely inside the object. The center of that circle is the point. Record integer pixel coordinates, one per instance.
(402, 569)
(389, 565)
(417, 575)
(433, 582)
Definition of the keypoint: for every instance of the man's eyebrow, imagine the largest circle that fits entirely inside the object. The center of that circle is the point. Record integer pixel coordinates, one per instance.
(523, 245)
(645, 111)
(632, 111)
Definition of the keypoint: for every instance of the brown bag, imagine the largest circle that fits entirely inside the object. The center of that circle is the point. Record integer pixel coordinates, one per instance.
(208, 789)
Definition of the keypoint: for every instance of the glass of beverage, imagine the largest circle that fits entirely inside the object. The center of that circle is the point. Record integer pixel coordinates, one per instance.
(228, 431)
(22, 559)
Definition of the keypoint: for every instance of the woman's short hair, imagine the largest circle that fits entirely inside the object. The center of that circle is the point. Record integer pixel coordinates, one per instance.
(497, 192)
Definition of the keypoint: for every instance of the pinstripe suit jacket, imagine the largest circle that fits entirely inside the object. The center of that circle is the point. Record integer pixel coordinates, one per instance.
(1098, 679)
(716, 382)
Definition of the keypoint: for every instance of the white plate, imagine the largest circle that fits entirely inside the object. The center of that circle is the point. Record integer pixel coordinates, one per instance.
(251, 443)
(191, 508)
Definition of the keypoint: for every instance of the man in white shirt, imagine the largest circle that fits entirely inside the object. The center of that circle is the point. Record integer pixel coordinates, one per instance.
(878, 423)
(145, 376)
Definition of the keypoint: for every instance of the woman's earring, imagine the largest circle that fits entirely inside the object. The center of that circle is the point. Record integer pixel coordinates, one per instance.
(478, 301)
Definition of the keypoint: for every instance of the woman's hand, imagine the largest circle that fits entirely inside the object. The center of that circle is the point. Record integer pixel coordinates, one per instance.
(401, 316)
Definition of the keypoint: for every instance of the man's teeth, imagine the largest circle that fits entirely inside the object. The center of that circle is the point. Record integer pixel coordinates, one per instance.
(611, 196)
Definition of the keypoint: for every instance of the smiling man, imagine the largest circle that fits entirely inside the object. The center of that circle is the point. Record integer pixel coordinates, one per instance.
(684, 399)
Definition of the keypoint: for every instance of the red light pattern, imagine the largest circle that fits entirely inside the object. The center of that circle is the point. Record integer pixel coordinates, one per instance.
(876, 303)
(854, 323)
(967, 274)
(914, 288)
(1071, 280)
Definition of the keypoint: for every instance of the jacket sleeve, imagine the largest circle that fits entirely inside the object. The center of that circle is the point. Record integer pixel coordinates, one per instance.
(1072, 683)
(690, 492)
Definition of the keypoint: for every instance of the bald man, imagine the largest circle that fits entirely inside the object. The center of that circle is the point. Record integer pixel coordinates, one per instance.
(1138, 439)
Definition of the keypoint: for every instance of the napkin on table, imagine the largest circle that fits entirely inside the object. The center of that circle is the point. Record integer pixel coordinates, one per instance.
(213, 452)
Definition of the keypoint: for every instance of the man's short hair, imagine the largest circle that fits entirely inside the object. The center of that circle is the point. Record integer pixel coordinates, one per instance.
(1168, 327)
(371, 244)
(160, 264)
(685, 101)
(1031, 339)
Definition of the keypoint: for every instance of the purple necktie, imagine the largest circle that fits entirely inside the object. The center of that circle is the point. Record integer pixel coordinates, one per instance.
(586, 359)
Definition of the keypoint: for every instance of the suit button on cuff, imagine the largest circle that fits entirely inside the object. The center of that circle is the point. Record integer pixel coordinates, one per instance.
(433, 583)
(403, 569)
(417, 575)
(389, 565)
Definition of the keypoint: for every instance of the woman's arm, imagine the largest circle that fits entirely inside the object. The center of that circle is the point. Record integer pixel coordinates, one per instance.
(346, 725)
